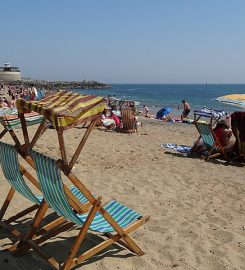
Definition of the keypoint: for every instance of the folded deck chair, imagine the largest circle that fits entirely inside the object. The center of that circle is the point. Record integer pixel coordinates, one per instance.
(238, 129)
(14, 173)
(114, 217)
(212, 144)
(128, 120)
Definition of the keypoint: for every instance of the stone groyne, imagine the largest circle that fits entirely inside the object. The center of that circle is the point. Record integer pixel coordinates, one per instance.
(59, 85)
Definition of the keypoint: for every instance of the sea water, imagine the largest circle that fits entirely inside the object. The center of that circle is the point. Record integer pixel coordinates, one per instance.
(156, 96)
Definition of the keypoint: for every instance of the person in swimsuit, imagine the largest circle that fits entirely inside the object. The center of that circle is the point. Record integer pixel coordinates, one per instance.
(186, 110)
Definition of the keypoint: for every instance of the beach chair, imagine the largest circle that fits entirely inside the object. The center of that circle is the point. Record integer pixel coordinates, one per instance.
(129, 121)
(10, 120)
(15, 173)
(238, 129)
(212, 144)
(114, 220)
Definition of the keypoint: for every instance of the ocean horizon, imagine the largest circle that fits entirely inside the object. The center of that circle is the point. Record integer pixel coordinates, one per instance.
(156, 96)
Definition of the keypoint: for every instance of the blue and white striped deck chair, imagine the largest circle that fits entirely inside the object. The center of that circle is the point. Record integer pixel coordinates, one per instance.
(14, 172)
(114, 217)
(210, 141)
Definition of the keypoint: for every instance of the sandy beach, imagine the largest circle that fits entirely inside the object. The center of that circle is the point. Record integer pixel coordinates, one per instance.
(197, 208)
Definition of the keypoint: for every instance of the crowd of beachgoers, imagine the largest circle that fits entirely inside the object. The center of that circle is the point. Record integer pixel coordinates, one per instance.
(10, 93)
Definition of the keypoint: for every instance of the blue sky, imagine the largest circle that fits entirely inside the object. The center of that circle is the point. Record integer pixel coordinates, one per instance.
(125, 41)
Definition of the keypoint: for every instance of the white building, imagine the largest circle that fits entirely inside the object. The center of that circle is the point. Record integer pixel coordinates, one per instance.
(8, 73)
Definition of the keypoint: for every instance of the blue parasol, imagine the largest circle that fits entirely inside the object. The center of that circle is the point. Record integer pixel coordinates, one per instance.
(162, 112)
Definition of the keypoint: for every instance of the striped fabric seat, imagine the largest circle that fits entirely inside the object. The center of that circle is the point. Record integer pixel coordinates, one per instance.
(206, 134)
(10, 168)
(52, 187)
(212, 144)
(10, 119)
(65, 109)
(119, 212)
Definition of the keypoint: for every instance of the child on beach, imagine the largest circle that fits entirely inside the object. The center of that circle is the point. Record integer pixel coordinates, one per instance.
(145, 111)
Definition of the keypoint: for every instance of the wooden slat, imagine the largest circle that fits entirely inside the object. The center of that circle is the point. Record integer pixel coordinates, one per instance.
(7, 202)
(81, 145)
(86, 255)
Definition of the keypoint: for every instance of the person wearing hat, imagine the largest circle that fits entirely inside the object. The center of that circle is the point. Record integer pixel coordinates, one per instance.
(223, 133)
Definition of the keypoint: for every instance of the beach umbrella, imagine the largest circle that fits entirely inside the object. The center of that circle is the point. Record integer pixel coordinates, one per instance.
(234, 100)
(162, 112)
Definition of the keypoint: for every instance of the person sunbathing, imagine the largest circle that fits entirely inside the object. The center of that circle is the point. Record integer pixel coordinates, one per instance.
(107, 119)
(223, 133)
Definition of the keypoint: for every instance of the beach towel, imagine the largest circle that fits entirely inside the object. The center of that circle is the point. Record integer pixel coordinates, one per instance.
(179, 148)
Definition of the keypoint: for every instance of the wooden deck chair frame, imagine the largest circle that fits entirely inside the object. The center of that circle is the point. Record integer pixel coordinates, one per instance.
(23, 151)
(121, 235)
(128, 120)
(43, 128)
(216, 145)
(41, 207)
(66, 166)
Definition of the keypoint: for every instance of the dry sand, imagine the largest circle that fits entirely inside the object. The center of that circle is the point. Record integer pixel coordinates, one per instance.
(197, 208)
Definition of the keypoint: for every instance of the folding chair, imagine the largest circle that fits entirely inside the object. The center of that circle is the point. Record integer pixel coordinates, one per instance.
(238, 129)
(10, 120)
(128, 120)
(14, 173)
(213, 115)
(211, 142)
(65, 110)
(114, 217)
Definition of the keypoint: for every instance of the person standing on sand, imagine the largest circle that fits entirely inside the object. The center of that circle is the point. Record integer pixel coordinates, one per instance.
(145, 111)
(186, 109)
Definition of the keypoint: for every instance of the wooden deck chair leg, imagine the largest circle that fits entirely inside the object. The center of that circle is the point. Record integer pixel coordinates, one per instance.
(52, 224)
(3, 133)
(80, 237)
(81, 145)
(7, 202)
(115, 238)
(22, 213)
(121, 232)
(52, 232)
(14, 137)
(22, 247)
(24, 128)
(41, 129)
(11, 229)
(62, 147)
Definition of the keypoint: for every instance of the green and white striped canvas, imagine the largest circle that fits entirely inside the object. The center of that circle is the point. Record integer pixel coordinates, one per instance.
(10, 168)
(206, 134)
(53, 191)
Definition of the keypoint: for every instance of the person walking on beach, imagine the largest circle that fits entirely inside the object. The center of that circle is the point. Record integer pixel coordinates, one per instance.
(186, 109)
(145, 111)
